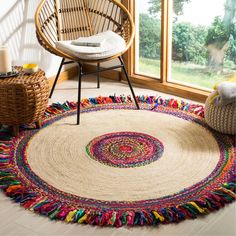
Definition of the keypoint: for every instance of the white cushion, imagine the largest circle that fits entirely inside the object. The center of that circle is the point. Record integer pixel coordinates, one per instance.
(97, 40)
(113, 44)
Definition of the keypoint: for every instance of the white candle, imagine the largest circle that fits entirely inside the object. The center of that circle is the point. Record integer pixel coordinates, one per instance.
(5, 60)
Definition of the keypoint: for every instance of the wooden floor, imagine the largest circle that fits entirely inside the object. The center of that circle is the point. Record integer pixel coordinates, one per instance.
(16, 221)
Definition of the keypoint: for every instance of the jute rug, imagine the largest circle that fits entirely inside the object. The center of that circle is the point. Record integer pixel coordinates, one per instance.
(120, 166)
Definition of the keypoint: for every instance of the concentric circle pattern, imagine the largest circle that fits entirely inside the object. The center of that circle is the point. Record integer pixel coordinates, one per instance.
(121, 170)
(125, 149)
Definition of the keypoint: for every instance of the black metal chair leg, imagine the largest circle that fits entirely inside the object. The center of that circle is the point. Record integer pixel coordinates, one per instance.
(128, 80)
(98, 75)
(79, 93)
(57, 76)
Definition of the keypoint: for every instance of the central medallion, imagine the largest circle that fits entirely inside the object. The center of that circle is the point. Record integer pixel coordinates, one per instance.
(125, 149)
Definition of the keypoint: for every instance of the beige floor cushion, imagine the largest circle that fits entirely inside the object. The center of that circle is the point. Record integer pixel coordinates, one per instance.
(221, 117)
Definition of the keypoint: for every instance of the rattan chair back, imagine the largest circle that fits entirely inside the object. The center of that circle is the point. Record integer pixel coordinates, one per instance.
(69, 19)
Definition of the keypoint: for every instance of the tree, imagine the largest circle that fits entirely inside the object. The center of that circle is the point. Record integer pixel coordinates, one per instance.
(231, 53)
(150, 33)
(187, 43)
(219, 35)
(177, 6)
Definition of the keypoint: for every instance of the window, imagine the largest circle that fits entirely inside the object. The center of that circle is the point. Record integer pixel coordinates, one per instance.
(196, 40)
(203, 42)
(148, 41)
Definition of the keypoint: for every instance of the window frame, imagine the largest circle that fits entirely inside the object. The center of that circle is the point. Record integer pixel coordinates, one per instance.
(162, 85)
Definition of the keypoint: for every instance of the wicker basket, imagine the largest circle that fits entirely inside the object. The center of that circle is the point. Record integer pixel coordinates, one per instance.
(24, 98)
(221, 118)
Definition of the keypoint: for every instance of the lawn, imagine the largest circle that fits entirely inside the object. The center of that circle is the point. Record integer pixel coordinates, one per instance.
(194, 75)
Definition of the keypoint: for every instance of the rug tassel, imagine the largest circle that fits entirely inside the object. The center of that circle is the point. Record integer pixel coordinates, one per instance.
(70, 216)
(200, 210)
(158, 216)
(83, 219)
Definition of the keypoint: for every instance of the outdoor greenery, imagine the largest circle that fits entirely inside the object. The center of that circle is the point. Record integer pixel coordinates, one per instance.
(219, 32)
(187, 73)
(177, 6)
(231, 53)
(188, 43)
(191, 45)
(150, 37)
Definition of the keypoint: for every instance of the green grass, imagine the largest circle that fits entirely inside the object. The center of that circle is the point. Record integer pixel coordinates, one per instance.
(194, 75)
(149, 66)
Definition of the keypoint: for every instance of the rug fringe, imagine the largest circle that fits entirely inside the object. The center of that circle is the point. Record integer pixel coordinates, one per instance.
(156, 101)
(56, 210)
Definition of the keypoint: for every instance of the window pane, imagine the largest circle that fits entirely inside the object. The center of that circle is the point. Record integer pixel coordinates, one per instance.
(203, 41)
(148, 37)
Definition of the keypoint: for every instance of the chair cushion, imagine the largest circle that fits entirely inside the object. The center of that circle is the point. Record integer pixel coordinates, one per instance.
(97, 40)
(113, 44)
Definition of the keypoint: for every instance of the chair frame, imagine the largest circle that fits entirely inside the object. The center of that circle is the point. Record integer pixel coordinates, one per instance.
(48, 32)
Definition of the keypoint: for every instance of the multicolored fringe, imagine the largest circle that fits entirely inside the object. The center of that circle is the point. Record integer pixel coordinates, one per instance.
(57, 210)
(155, 101)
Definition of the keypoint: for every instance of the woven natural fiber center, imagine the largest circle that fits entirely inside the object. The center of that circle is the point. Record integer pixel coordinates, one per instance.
(57, 154)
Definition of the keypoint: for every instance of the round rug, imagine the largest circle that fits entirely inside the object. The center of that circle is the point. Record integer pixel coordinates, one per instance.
(120, 166)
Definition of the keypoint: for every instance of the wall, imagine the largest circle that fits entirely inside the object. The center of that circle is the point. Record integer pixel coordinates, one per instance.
(17, 30)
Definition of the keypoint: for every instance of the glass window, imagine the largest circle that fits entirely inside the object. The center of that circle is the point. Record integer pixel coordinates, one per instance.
(203, 37)
(148, 38)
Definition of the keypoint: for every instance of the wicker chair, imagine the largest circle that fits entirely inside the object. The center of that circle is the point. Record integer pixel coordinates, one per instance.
(58, 20)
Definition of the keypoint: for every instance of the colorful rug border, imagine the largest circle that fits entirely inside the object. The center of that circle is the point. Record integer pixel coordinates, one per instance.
(31, 179)
(61, 211)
